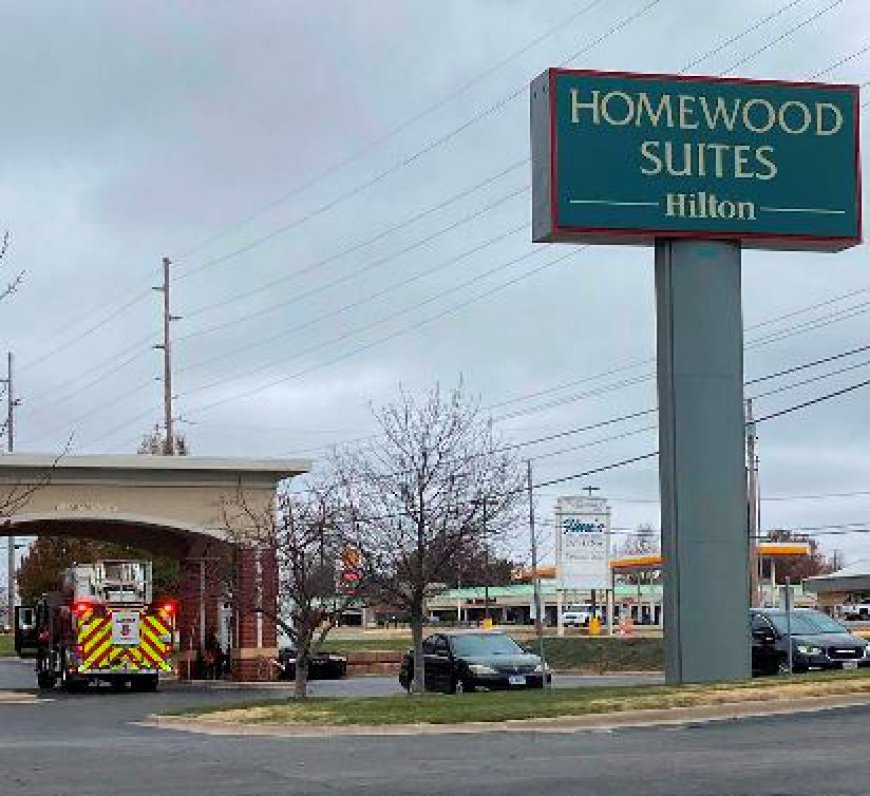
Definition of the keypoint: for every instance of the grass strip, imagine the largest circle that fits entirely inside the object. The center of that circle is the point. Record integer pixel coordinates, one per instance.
(517, 705)
(578, 653)
(7, 645)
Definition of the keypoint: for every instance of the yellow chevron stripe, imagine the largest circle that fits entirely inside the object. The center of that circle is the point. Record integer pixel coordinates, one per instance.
(86, 635)
(152, 655)
(96, 640)
(156, 625)
(97, 654)
(148, 633)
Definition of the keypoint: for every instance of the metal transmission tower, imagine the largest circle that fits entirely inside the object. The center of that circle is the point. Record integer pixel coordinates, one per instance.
(169, 439)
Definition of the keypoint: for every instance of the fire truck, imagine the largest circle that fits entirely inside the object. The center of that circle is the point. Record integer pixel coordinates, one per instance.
(102, 625)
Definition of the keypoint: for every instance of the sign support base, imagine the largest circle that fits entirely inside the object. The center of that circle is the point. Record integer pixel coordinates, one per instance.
(702, 467)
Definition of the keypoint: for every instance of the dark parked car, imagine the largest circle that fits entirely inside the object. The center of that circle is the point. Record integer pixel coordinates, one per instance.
(817, 642)
(322, 666)
(462, 660)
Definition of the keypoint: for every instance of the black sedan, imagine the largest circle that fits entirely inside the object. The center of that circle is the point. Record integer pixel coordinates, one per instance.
(321, 666)
(460, 661)
(817, 642)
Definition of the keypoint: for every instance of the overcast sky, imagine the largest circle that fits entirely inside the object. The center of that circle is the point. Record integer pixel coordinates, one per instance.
(269, 148)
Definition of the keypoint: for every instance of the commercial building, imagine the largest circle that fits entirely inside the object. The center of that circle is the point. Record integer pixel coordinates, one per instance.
(845, 593)
(516, 604)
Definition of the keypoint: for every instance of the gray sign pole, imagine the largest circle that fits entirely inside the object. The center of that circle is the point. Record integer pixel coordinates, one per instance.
(702, 476)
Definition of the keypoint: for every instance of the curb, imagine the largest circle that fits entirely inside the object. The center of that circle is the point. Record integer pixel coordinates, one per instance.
(595, 722)
(17, 698)
(228, 685)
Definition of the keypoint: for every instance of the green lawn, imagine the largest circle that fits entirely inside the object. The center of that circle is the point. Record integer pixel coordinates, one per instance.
(597, 654)
(7, 645)
(503, 706)
(367, 644)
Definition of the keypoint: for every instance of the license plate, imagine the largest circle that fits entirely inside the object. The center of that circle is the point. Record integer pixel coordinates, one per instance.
(517, 679)
(850, 664)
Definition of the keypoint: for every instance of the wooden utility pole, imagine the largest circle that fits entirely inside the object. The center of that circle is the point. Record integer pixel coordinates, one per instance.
(169, 439)
(11, 403)
(753, 513)
(536, 576)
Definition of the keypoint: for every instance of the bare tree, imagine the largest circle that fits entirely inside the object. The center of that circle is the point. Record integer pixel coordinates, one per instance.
(11, 284)
(154, 443)
(644, 541)
(305, 532)
(434, 487)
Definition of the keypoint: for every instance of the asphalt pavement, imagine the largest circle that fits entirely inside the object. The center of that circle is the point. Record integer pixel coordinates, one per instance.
(90, 744)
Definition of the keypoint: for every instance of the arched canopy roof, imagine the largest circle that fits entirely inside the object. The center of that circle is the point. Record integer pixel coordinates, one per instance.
(160, 503)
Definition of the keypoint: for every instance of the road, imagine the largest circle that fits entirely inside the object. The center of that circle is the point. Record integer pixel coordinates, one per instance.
(87, 744)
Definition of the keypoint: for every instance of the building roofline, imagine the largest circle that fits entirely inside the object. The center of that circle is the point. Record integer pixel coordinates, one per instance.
(279, 468)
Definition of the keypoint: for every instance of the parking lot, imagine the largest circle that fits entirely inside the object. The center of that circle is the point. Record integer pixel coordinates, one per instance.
(91, 744)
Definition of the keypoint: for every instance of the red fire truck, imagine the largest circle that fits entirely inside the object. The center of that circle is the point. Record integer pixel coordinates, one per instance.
(102, 625)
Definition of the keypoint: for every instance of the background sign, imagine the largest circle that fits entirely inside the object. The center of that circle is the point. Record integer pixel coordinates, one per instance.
(626, 158)
(582, 543)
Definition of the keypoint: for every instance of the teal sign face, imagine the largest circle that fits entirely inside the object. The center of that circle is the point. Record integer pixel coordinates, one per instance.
(628, 158)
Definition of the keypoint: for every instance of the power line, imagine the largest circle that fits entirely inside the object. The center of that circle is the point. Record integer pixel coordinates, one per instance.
(259, 343)
(90, 330)
(478, 213)
(393, 132)
(624, 22)
(391, 336)
(644, 11)
(733, 39)
(407, 161)
(840, 63)
(790, 32)
(362, 244)
(430, 146)
(812, 379)
(806, 365)
(820, 399)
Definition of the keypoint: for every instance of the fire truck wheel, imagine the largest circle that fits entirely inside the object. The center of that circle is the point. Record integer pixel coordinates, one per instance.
(71, 684)
(147, 682)
(45, 680)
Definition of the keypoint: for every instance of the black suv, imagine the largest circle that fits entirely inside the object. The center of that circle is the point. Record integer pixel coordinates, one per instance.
(817, 642)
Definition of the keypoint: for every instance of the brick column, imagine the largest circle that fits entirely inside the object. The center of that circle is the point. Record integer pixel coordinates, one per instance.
(200, 591)
(256, 641)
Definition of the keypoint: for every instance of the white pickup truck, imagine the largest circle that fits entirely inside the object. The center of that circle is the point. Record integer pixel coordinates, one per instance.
(577, 616)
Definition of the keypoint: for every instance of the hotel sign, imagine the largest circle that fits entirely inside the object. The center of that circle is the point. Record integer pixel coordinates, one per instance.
(627, 158)
(582, 543)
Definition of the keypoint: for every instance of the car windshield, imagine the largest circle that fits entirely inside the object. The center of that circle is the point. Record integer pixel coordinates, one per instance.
(475, 644)
(804, 622)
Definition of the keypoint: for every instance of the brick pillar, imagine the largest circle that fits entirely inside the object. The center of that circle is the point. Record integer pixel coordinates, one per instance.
(256, 634)
(200, 591)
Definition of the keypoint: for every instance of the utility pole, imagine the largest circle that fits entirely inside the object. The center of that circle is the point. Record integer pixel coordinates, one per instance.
(169, 441)
(753, 516)
(486, 617)
(536, 577)
(593, 597)
(11, 403)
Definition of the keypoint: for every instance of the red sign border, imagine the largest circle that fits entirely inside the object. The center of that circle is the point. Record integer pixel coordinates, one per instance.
(810, 242)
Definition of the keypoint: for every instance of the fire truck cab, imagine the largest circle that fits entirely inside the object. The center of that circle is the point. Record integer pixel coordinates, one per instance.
(102, 625)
